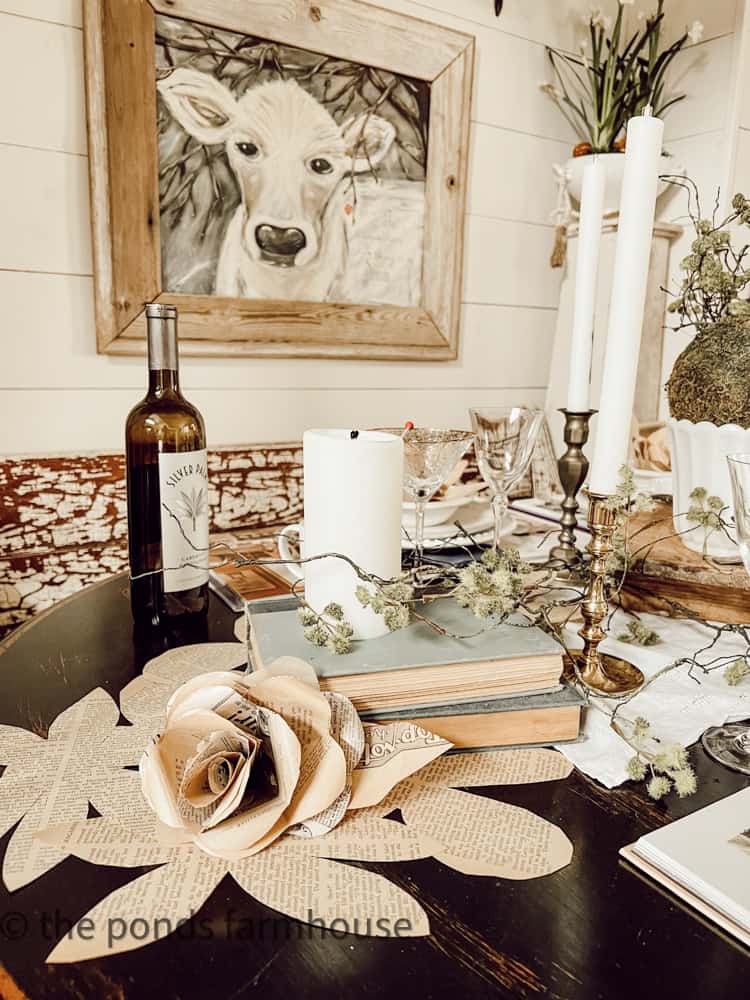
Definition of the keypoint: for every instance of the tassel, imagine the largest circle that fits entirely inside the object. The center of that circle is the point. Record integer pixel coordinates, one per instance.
(562, 215)
(557, 257)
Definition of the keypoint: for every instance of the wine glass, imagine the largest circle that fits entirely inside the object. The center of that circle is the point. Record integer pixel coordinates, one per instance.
(504, 439)
(730, 744)
(739, 476)
(430, 454)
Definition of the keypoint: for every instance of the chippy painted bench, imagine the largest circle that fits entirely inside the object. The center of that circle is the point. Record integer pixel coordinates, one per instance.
(63, 520)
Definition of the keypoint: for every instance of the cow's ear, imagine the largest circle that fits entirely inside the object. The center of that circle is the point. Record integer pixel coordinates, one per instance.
(367, 138)
(204, 107)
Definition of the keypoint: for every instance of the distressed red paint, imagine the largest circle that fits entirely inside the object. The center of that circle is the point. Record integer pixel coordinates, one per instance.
(63, 519)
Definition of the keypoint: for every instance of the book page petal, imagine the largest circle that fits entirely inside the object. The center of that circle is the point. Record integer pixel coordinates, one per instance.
(27, 858)
(87, 721)
(479, 836)
(146, 696)
(393, 751)
(181, 664)
(328, 894)
(125, 744)
(118, 797)
(496, 767)
(19, 745)
(364, 836)
(103, 842)
(144, 700)
(143, 911)
(17, 796)
(292, 666)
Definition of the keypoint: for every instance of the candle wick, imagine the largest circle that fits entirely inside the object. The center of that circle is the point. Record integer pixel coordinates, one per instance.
(354, 435)
(647, 111)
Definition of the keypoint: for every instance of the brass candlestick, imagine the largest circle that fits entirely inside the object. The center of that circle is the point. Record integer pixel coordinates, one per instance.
(605, 675)
(573, 466)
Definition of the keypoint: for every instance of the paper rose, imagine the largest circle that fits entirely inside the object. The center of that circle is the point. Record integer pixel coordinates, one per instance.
(241, 759)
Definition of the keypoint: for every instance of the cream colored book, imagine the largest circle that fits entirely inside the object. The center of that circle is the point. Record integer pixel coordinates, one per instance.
(522, 720)
(415, 666)
(704, 859)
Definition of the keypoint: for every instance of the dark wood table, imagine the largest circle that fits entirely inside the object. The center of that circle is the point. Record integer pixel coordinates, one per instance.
(594, 929)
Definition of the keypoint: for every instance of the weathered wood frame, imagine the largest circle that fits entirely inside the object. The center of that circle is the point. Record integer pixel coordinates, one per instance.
(121, 110)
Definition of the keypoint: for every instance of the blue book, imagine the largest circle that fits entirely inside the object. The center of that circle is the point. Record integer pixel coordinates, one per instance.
(416, 667)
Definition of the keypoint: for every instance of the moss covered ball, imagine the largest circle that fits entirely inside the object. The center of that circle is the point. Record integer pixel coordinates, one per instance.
(711, 378)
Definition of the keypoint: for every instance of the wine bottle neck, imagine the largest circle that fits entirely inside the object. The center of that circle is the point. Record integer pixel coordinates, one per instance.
(162, 350)
(161, 380)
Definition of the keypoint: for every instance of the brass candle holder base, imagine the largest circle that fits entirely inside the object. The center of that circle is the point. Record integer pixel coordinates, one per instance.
(609, 677)
(573, 467)
(604, 675)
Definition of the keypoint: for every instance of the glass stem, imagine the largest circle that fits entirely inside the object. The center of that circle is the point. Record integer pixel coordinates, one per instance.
(499, 510)
(419, 506)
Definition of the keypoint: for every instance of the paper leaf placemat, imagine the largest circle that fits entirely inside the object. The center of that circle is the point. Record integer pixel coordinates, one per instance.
(300, 877)
(50, 782)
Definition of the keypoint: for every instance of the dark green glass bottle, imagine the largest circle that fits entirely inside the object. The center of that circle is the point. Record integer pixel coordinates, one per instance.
(165, 443)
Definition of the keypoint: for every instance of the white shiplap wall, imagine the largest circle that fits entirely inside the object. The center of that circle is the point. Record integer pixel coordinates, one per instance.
(740, 109)
(57, 394)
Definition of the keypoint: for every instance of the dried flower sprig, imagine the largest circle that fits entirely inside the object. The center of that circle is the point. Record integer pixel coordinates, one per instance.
(666, 767)
(329, 629)
(715, 272)
(391, 600)
(639, 634)
(489, 586)
(492, 584)
(707, 512)
(626, 500)
(736, 672)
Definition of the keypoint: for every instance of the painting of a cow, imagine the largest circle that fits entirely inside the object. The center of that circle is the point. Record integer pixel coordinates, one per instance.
(285, 175)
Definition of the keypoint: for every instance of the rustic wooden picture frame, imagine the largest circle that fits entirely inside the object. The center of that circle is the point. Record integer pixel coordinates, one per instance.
(121, 111)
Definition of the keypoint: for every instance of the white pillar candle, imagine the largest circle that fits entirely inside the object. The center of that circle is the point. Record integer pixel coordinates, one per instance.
(632, 253)
(587, 264)
(353, 496)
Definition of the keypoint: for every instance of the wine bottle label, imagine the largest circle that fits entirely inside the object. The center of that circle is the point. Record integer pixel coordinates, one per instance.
(183, 490)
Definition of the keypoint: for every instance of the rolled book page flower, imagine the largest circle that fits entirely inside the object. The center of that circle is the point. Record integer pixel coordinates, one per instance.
(259, 788)
(268, 737)
(216, 778)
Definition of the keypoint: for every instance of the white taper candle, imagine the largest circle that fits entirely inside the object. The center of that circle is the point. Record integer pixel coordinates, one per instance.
(632, 253)
(587, 265)
(353, 496)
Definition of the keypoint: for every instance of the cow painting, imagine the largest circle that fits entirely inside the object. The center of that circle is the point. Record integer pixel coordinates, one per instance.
(287, 239)
(293, 195)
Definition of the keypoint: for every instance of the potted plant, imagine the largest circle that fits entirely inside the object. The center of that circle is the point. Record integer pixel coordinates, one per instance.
(611, 79)
(709, 388)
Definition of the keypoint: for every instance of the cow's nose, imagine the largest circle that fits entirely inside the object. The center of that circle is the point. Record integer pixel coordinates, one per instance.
(275, 240)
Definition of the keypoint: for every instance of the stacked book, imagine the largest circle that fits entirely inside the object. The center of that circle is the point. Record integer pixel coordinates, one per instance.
(494, 686)
(704, 859)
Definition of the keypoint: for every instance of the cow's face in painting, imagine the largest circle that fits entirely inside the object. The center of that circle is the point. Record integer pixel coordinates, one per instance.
(287, 152)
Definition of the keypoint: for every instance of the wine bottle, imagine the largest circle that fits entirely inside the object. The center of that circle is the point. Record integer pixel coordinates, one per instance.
(165, 444)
